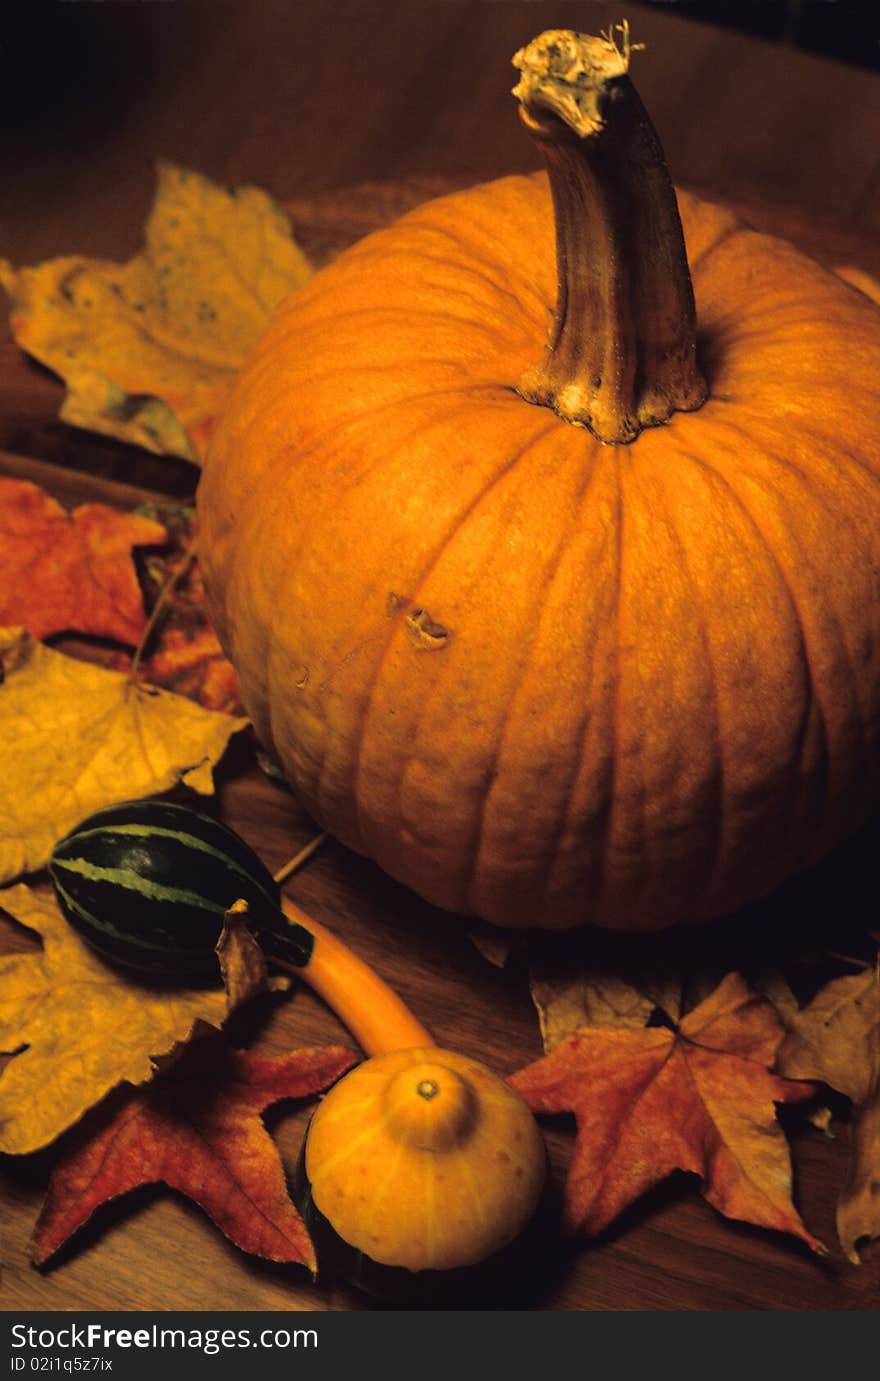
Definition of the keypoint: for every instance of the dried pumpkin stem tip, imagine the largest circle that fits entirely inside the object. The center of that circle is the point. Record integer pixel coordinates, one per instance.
(622, 354)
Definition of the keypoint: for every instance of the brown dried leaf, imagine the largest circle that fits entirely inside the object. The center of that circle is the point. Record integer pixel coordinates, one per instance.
(242, 962)
(836, 1039)
(566, 1004)
(571, 987)
(494, 944)
(858, 1208)
(775, 987)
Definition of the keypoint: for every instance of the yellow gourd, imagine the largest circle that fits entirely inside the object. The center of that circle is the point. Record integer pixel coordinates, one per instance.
(424, 1160)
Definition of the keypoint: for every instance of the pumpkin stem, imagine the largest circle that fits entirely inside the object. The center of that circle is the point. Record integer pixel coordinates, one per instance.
(622, 354)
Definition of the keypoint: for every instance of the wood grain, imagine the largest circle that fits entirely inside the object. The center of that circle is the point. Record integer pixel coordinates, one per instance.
(349, 120)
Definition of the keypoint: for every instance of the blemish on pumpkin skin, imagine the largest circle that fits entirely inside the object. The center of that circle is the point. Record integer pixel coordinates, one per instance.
(302, 679)
(393, 604)
(424, 632)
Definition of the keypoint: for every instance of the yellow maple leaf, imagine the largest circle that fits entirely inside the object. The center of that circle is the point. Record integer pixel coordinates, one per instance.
(81, 1027)
(75, 737)
(148, 348)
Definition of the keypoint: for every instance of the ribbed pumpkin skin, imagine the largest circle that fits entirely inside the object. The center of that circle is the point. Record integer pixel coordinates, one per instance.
(659, 693)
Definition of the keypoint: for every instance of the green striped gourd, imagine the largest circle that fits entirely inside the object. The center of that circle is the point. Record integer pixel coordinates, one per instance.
(147, 884)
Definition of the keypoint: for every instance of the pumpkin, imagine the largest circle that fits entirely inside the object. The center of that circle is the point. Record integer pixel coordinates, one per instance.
(422, 1170)
(583, 636)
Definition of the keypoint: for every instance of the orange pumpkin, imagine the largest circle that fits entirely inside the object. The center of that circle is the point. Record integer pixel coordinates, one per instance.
(558, 641)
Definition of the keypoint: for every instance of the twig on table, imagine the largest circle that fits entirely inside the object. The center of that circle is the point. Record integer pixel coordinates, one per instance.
(300, 858)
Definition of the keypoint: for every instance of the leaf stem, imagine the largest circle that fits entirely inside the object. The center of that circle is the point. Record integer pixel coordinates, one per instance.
(172, 580)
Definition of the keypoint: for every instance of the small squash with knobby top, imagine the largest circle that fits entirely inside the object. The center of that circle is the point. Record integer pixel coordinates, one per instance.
(423, 1172)
(587, 637)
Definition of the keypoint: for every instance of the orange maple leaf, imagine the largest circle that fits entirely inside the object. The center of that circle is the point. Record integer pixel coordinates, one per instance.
(197, 1128)
(699, 1098)
(70, 571)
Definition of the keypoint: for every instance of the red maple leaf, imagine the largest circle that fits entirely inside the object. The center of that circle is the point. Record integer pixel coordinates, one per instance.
(70, 571)
(183, 653)
(190, 662)
(699, 1098)
(197, 1128)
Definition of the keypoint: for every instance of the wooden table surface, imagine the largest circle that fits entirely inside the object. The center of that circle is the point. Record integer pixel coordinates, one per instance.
(309, 100)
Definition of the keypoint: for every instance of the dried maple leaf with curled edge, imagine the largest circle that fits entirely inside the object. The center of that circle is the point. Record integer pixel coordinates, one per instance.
(148, 349)
(698, 1098)
(70, 571)
(81, 1027)
(836, 1039)
(198, 1129)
